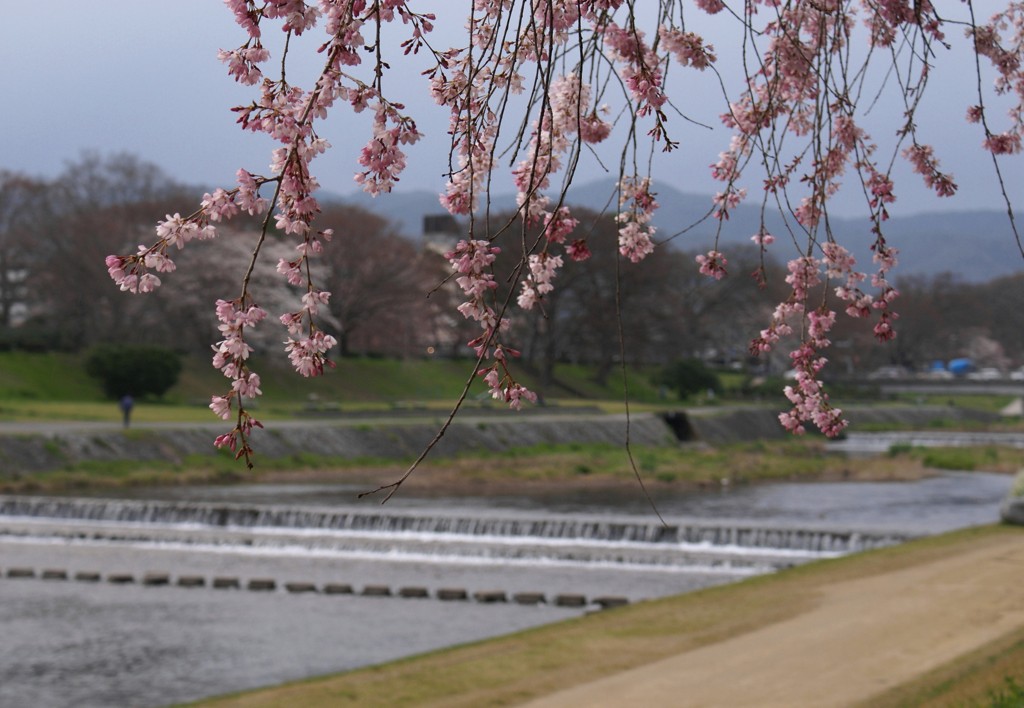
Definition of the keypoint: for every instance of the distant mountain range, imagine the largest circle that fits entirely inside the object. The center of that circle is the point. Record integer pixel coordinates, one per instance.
(976, 245)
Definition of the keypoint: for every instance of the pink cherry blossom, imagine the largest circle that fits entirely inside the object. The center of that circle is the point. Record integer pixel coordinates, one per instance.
(713, 264)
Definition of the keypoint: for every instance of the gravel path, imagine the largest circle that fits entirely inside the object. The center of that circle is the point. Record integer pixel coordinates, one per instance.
(862, 637)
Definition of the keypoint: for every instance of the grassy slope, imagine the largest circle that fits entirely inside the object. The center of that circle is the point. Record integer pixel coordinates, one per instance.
(362, 381)
(512, 669)
(975, 679)
(55, 387)
(37, 385)
(56, 377)
(28, 380)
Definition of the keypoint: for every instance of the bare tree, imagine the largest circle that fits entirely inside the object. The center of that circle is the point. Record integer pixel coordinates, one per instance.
(96, 205)
(377, 285)
(22, 213)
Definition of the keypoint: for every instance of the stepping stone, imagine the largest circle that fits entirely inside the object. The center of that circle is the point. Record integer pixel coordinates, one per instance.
(191, 581)
(490, 596)
(54, 575)
(449, 594)
(262, 584)
(413, 592)
(21, 573)
(226, 584)
(156, 579)
(87, 576)
(377, 591)
(300, 587)
(570, 601)
(121, 578)
(337, 589)
(529, 598)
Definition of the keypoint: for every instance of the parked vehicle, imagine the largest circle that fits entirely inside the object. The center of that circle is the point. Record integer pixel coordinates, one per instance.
(986, 374)
(960, 367)
(884, 373)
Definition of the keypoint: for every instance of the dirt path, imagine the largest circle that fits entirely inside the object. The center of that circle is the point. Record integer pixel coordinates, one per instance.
(861, 638)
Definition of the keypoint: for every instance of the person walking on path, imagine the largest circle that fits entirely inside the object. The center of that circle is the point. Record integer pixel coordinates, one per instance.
(127, 402)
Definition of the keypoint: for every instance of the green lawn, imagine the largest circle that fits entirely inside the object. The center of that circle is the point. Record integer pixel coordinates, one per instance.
(55, 386)
(27, 378)
(42, 377)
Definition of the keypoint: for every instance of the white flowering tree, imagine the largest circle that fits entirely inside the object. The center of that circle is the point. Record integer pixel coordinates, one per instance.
(537, 85)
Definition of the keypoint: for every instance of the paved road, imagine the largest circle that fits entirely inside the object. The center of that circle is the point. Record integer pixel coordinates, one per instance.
(407, 418)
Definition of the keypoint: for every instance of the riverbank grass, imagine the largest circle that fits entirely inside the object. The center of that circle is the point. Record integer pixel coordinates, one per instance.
(533, 468)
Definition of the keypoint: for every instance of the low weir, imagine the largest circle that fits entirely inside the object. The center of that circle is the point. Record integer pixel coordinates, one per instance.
(526, 538)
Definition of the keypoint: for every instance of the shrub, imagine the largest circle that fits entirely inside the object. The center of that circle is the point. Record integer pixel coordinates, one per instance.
(687, 377)
(1018, 485)
(133, 370)
(900, 448)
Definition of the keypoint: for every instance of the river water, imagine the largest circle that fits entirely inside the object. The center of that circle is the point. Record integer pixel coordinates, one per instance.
(931, 505)
(77, 643)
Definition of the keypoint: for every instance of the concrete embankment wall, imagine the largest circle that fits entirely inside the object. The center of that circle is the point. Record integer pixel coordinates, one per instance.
(737, 425)
(398, 439)
(348, 439)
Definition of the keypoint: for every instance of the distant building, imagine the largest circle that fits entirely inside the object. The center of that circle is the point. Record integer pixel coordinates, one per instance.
(441, 232)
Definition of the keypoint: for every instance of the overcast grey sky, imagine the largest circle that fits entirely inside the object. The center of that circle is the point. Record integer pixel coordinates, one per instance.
(142, 76)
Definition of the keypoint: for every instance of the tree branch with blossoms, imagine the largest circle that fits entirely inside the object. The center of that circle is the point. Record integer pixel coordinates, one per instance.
(532, 85)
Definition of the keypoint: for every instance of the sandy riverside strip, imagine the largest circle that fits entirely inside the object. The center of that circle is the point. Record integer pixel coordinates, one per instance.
(860, 638)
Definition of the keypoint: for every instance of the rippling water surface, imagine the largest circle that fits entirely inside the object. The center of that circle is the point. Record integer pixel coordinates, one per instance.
(945, 502)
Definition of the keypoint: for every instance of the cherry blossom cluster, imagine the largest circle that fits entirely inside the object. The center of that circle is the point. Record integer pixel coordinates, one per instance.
(307, 345)
(637, 206)
(797, 88)
(800, 87)
(1001, 41)
(922, 158)
(838, 266)
(803, 276)
(134, 273)
(286, 113)
(382, 156)
(885, 259)
(728, 168)
(501, 384)
(810, 402)
(568, 100)
(475, 83)
(472, 262)
(569, 114)
(543, 268)
(641, 68)
(712, 264)
(688, 48)
(231, 357)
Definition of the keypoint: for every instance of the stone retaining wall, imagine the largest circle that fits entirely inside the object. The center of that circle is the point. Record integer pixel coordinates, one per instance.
(739, 424)
(21, 454)
(27, 453)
